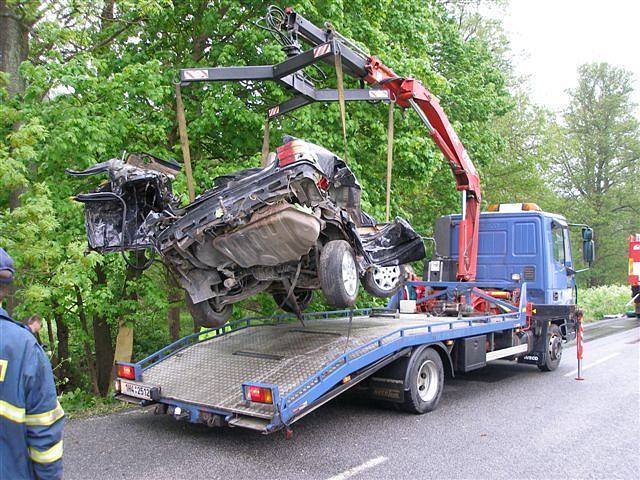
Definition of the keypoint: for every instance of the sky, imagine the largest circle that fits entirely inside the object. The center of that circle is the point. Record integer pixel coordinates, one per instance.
(551, 38)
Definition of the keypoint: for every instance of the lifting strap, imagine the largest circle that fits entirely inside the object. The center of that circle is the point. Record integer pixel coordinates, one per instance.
(341, 99)
(265, 144)
(389, 159)
(184, 143)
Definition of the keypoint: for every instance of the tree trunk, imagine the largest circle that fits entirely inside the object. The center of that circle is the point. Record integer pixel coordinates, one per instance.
(104, 353)
(107, 13)
(14, 49)
(174, 297)
(14, 46)
(173, 316)
(62, 356)
(124, 340)
(103, 343)
(52, 343)
(91, 366)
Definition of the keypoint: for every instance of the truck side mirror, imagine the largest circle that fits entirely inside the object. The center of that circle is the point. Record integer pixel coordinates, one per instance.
(588, 247)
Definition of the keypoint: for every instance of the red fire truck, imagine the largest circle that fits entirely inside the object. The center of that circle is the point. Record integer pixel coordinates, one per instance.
(634, 270)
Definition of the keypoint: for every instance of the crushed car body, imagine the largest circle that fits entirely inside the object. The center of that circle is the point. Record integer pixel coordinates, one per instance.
(289, 228)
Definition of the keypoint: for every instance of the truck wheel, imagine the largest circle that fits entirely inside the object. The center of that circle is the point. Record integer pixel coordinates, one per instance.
(303, 298)
(383, 282)
(207, 316)
(338, 274)
(554, 349)
(426, 382)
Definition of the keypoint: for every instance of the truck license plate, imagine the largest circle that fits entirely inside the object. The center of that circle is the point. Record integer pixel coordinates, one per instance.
(135, 390)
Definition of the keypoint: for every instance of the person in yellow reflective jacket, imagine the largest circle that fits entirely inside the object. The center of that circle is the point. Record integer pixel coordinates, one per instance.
(31, 419)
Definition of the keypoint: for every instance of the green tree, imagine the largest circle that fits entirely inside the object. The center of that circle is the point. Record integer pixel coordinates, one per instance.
(598, 164)
(98, 80)
(521, 171)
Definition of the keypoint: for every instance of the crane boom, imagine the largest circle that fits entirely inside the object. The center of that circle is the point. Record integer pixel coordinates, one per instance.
(289, 27)
(409, 92)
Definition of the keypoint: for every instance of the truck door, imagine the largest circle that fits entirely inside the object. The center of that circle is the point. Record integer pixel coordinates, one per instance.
(562, 281)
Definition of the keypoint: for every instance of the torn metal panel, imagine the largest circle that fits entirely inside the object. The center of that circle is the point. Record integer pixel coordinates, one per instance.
(396, 243)
(116, 212)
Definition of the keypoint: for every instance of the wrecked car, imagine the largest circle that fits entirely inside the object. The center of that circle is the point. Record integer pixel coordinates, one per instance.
(289, 228)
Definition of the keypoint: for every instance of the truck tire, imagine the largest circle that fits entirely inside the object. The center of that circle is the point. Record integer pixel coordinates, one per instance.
(205, 315)
(554, 349)
(426, 382)
(383, 282)
(303, 298)
(338, 274)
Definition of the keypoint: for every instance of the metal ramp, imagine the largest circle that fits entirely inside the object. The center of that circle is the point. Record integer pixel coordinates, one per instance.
(302, 362)
(211, 373)
(203, 374)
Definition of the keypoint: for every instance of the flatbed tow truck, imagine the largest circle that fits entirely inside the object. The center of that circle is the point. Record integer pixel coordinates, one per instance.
(266, 373)
(500, 286)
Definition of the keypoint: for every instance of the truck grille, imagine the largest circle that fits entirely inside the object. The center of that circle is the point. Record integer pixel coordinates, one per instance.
(530, 273)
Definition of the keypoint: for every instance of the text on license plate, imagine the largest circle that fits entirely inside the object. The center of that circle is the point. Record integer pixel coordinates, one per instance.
(135, 390)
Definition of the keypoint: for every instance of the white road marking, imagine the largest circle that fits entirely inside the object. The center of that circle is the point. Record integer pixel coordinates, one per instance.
(360, 468)
(592, 364)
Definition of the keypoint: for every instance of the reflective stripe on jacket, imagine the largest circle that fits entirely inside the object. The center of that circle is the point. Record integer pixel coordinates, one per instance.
(31, 419)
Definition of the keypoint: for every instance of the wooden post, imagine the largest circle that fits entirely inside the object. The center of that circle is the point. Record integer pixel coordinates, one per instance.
(184, 143)
(124, 343)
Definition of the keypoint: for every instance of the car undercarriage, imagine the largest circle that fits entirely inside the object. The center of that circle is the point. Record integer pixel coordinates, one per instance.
(289, 228)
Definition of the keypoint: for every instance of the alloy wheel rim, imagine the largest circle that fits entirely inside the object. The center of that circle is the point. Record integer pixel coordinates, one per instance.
(386, 278)
(349, 274)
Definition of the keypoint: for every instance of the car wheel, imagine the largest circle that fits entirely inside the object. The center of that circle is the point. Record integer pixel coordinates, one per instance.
(206, 315)
(383, 282)
(302, 297)
(338, 273)
(554, 349)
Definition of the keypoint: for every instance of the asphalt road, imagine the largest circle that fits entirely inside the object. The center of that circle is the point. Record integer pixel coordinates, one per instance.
(504, 421)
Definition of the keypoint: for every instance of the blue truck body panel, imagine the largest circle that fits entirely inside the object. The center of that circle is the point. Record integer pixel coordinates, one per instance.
(533, 244)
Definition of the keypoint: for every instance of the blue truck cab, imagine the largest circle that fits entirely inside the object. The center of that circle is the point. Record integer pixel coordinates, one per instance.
(516, 243)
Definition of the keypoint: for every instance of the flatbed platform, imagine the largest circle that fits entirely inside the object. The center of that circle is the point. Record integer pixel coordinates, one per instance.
(301, 362)
(210, 373)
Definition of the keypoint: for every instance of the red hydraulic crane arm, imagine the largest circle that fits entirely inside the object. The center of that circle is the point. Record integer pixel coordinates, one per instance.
(408, 92)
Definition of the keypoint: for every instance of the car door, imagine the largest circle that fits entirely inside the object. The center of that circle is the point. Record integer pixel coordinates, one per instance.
(561, 284)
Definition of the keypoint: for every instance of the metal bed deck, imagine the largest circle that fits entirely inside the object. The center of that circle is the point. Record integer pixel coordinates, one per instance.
(301, 363)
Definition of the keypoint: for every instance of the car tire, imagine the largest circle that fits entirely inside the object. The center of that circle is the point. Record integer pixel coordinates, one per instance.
(426, 382)
(205, 315)
(554, 350)
(383, 282)
(338, 274)
(303, 298)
